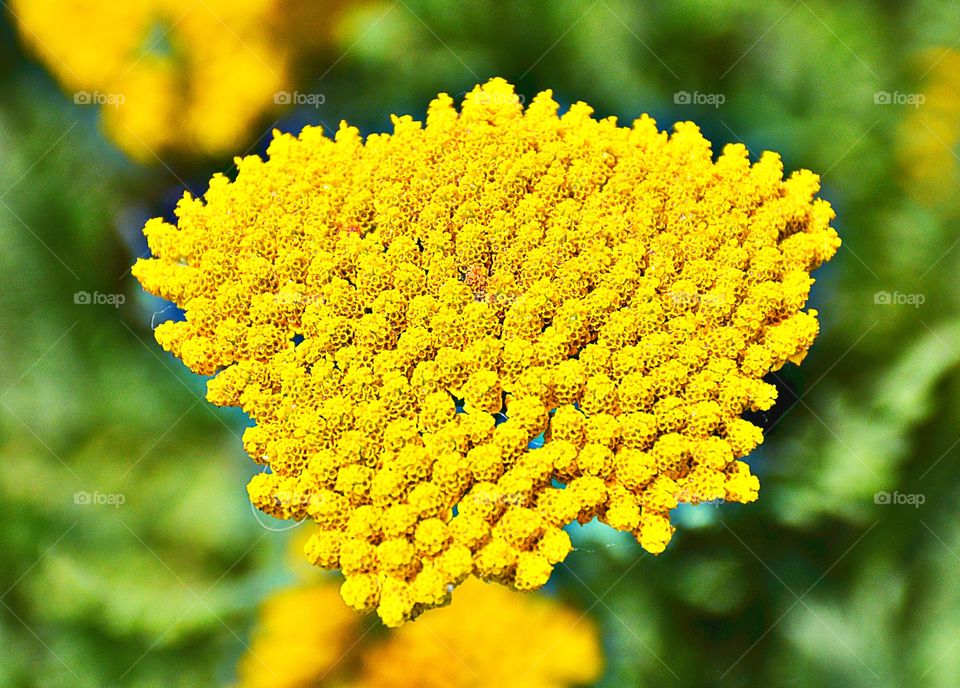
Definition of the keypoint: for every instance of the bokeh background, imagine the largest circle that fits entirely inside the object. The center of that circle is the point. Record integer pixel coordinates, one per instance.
(130, 554)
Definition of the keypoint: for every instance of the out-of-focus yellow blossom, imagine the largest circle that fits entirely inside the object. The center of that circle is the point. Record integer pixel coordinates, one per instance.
(175, 75)
(401, 317)
(487, 637)
(929, 135)
(302, 634)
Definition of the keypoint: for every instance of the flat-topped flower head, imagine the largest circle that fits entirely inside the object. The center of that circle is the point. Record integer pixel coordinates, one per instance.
(458, 338)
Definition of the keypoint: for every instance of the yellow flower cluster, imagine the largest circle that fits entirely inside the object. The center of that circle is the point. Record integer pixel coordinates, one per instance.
(302, 639)
(403, 317)
(930, 133)
(174, 75)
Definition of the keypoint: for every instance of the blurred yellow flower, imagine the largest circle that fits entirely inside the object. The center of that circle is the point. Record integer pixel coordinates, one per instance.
(175, 76)
(929, 136)
(402, 317)
(301, 635)
(487, 637)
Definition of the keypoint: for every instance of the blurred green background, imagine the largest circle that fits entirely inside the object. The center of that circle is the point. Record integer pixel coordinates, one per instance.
(130, 554)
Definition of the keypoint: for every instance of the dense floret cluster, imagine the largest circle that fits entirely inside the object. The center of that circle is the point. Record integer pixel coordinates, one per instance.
(458, 338)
